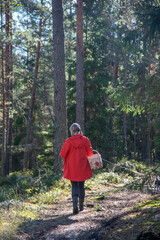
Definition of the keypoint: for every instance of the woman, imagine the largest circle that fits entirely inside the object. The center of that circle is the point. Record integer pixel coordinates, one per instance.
(76, 167)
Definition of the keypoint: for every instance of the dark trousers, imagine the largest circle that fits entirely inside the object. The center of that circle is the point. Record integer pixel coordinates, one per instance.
(78, 189)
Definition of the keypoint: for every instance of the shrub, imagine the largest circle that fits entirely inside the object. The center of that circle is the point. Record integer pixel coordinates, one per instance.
(109, 177)
(130, 167)
(26, 184)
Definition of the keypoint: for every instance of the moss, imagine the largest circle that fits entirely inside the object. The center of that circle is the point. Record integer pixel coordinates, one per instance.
(153, 203)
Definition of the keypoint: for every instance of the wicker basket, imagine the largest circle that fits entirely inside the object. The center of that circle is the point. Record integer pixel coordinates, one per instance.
(95, 161)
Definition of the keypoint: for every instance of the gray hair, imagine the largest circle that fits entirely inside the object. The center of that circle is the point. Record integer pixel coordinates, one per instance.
(75, 127)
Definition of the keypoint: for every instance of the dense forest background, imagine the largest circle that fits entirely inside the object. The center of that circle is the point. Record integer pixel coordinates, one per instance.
(121, 57)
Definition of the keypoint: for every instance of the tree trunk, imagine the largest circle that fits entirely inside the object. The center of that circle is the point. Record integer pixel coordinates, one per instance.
(32, 102)
(116, 62)
(135, 138)
(143, 117)
(80, 67)
(10, 98)
(70, 38)
(4, 139)
(143, 137)
(115, 77)
(7, 75)
(124, 113)
(7, 91)
(59, 82)
(149, 123)
(148, 138)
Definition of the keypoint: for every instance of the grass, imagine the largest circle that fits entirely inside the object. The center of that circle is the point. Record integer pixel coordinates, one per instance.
(15, 213)
(13, 217)
(149, 214)
(153, 203)
(24, 195)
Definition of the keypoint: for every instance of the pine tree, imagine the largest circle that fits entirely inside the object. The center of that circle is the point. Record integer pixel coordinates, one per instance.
(7, 72)
(33, 96)
(59, 82)
(80, 67)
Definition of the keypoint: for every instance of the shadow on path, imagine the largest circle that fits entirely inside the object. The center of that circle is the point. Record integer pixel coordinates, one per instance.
(34, 230)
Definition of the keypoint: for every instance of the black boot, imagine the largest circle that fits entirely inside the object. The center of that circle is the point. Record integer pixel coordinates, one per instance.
(75, 205)
(81, 201)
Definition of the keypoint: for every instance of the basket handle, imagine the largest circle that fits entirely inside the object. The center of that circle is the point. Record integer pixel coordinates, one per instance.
(96, 151)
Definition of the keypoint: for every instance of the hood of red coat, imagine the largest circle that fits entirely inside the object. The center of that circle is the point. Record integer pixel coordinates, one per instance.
(77, 141)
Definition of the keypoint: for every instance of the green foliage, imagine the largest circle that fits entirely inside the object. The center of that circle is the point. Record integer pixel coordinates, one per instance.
(131, 167)
(16, 215)
(154, 203)
(146, 180)
(20, 200)
(111, 177)
(60, 189)
(149, 14)
(3, 181)
(21, 185)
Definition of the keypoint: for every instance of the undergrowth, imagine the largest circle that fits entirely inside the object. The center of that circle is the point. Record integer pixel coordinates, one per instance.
(21, 185)
(23, 195)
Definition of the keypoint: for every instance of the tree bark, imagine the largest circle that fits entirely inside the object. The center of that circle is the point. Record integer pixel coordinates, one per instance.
(135, 138)
(59, 82)
(4, 139)
(143, 118)
(7, 76)
(114, 81)
(149, 122)
(32, 101)
(10, 98)
(124, 113)
(7, 91)
(80, 68)
(148, 138)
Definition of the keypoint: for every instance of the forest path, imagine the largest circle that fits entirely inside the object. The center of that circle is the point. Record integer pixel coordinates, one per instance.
(109, 213)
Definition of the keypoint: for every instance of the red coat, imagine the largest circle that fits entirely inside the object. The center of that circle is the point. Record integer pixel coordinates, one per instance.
(75, 151)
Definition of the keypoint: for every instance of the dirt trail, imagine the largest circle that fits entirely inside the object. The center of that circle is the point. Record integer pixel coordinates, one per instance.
(107, 215)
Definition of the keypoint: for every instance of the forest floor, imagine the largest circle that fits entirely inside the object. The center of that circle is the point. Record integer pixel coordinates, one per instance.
(111, 212)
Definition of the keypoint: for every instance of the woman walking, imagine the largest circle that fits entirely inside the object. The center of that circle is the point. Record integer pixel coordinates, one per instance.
(76, 167)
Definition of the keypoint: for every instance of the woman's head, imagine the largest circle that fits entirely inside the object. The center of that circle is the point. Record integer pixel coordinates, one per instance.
(75, 128)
